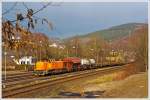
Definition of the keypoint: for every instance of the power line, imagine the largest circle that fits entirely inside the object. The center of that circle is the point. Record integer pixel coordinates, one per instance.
(25, 5)
(35, 11)
(58, 32)
(7, 11)
(42, 8)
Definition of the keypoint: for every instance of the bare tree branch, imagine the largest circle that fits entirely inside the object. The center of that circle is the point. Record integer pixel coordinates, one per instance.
(35, 11)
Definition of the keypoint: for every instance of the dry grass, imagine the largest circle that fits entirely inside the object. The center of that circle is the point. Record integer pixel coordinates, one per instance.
(128, 70)
(102, 79)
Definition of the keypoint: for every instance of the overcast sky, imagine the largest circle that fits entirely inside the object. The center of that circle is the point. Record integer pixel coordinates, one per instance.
(71, 19)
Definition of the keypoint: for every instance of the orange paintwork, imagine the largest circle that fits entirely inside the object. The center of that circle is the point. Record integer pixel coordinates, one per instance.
(58, 65)
(55, 65)
(41, 65)
(67, 64)
(49, 66)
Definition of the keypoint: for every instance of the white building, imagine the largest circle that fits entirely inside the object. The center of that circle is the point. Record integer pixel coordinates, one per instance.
(53, 45)
(29, 60)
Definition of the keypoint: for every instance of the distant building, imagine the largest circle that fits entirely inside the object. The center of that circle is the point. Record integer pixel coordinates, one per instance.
(53, 45)
(28, 60)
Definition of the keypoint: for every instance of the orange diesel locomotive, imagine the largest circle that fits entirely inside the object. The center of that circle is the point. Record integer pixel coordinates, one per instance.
(51, 67)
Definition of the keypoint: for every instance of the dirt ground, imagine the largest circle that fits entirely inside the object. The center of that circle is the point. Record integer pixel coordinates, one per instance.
(98, 86)
(14, 72)
(134, 86)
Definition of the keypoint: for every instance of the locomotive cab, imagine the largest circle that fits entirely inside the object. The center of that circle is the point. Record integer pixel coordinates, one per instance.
(42, 68)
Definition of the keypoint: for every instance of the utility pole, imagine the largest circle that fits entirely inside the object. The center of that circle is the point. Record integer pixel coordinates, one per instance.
(76, 47)
(92, 53)
(96, 51)
(40, 49)
(5, 65)
(110, 50)
(67, 52)
(5, 54)
(102, 54)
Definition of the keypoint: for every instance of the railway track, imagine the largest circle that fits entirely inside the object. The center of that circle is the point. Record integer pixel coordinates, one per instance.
(28, 80)
(22, 78)
(13, 91)
(17, 74)
(17, 77)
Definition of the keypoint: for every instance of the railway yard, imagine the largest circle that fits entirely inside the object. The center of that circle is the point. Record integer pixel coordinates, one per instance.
(74, 50)
(73, 84)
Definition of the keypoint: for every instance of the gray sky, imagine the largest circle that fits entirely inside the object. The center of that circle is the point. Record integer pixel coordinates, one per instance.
(71, 19)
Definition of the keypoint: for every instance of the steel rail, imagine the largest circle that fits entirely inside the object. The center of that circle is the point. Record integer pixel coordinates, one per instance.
(30, 87)
(11, 83)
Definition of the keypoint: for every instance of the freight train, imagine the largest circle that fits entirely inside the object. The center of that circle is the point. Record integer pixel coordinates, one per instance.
(69, 64)
(66, 65)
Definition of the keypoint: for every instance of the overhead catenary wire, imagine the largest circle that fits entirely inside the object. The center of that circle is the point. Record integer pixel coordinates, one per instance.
(10, 9)
(58, 32)
(25, 5)
(42, 8)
